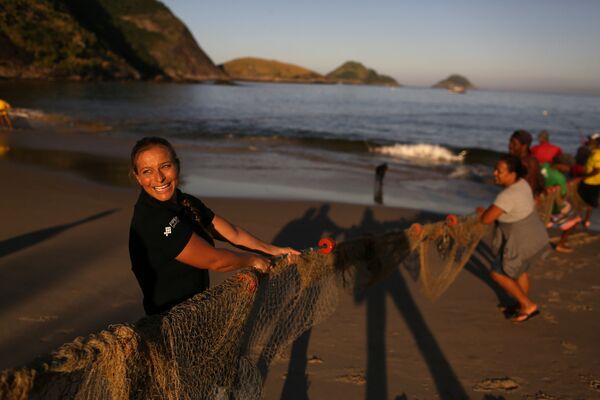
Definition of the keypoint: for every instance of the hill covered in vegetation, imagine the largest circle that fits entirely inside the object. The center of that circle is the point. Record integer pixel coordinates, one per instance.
(258, 69)
(98, 39)
(353, 72)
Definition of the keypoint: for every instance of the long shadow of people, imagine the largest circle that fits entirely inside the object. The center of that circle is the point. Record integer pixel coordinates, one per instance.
(300, 233)
(480, 265)
(29, 239)
(446, 381)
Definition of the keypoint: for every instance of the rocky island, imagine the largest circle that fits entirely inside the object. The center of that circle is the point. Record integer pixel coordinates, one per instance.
(455, 83)
(355, 73)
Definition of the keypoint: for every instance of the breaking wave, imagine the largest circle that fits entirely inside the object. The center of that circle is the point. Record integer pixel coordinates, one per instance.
(421, 152)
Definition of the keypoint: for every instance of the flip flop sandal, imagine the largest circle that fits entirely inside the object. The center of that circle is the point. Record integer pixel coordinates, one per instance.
(527, 316)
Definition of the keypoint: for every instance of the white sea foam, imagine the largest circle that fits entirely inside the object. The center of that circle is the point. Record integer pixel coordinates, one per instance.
(421, 152)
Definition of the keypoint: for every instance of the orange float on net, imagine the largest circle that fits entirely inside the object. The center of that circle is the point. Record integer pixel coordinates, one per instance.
(416, 228)
(451, 220)
(326, 245)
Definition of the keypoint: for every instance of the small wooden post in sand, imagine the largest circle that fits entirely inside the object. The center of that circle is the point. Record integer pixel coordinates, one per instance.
(379, 174)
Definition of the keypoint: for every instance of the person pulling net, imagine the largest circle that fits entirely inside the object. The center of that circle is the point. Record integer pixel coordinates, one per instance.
(215, 344)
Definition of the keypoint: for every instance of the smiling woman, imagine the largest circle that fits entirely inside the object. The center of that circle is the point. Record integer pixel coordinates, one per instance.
(156, 169)
(171, 238)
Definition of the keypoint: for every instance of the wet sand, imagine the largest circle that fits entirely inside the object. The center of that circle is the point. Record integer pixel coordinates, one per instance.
(65, 272)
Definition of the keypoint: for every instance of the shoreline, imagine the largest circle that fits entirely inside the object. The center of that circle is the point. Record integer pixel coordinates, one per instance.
(278, 176)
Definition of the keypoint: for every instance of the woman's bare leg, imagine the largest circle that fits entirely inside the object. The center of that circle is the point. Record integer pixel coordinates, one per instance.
(523, 283)
(513, 288)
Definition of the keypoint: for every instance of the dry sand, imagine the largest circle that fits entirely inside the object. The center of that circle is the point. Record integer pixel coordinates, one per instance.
(65, 272)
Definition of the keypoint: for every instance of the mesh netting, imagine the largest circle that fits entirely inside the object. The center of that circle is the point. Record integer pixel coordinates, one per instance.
(219, 344)
(548, 201)
(444, 249)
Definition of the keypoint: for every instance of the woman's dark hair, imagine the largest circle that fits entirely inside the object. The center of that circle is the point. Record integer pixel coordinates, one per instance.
(150, 141)
(522, 136)
(514, 164)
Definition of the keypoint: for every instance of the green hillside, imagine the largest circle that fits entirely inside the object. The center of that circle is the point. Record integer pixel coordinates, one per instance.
(98, 39)
(353, 72)
(258, 69)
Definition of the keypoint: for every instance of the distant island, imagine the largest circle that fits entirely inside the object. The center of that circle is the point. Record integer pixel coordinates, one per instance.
(258, 69)
(99, 40)
(262, 70)
(354, 73)
(455, 83)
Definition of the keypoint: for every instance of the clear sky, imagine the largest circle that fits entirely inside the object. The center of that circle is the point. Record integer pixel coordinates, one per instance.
(540, 45)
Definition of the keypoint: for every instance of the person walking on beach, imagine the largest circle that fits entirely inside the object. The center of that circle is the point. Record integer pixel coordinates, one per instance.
(171, 238)
(545, 152)
(589, 187)
(519, 235)
(4, 118)
(519, 146)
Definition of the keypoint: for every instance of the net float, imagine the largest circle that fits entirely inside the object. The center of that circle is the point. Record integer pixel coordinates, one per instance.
(326, 245)
(416, 228)
(451, 220)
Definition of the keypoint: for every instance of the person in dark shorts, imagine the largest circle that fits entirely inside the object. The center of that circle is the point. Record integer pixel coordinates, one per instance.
(589, 187)
(171, 238)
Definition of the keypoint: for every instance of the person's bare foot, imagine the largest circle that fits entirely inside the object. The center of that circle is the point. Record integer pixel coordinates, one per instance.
(525, 314)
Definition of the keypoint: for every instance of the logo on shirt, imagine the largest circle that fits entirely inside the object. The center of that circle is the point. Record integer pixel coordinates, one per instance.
(172, 224)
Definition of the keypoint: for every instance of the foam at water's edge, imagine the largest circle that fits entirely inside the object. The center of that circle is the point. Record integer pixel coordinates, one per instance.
(423, 152)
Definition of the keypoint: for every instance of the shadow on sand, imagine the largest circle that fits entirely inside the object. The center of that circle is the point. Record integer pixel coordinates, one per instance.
(29, 239)
(303, 232)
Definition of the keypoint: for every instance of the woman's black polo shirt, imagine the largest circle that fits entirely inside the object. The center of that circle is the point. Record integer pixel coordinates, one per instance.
(159, 231)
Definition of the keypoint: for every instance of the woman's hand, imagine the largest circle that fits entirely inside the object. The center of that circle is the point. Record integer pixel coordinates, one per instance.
(280, 251)
(260, 263)
(480, 210)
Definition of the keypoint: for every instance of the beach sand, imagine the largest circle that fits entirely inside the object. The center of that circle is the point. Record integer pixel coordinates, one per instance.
(65, 272)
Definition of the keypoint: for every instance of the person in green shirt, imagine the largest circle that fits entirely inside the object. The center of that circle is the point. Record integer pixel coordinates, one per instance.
(564, 216)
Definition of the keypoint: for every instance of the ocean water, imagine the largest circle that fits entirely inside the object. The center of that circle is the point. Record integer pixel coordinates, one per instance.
(317, 141)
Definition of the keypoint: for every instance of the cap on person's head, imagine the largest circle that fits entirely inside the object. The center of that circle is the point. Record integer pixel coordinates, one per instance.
(595, 137)
(544, 135)
(522, 136)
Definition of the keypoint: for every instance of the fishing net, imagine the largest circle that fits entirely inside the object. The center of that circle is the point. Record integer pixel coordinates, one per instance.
(219, 344)
(548, 201)
(444, 248)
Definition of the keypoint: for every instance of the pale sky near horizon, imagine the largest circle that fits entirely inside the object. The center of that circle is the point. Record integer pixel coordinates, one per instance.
(539, 45)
